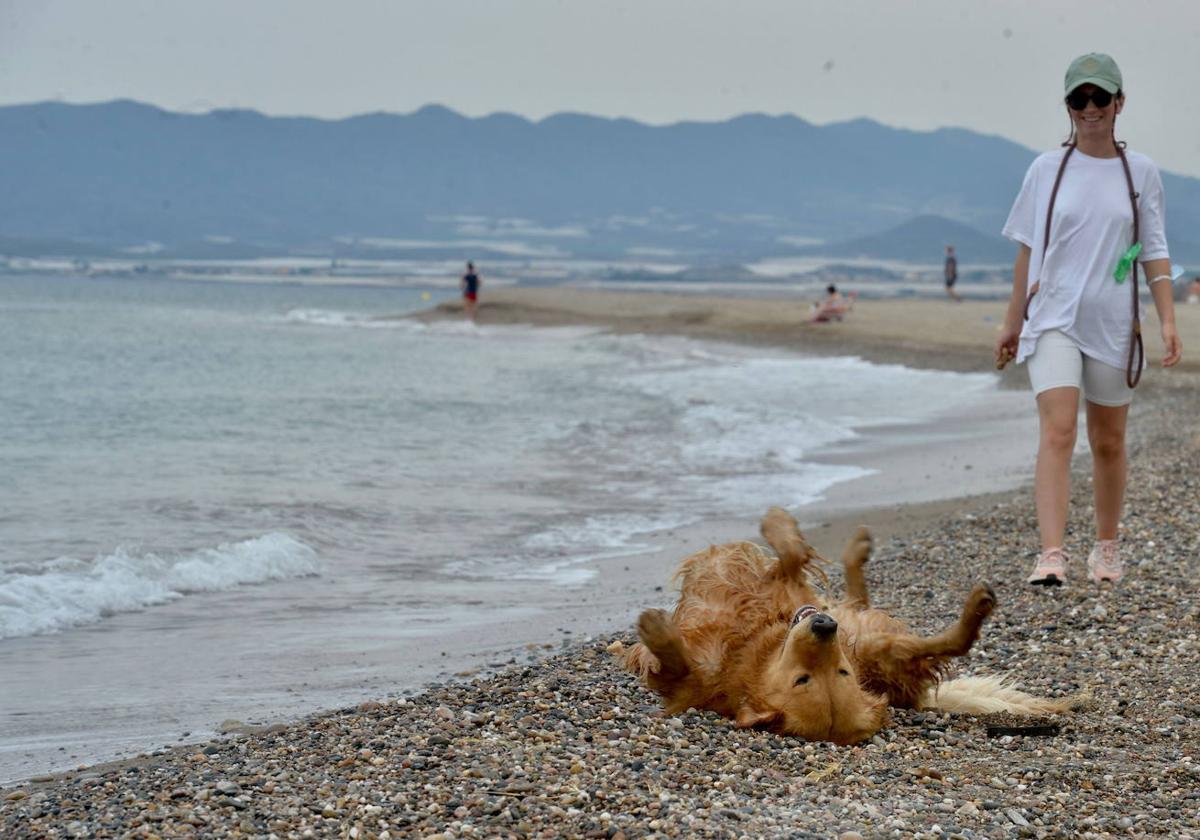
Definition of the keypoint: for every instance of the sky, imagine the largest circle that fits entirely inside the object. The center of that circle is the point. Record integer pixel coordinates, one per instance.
(993, 66)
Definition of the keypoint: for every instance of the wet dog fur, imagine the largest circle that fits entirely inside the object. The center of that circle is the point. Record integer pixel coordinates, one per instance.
(752, 639)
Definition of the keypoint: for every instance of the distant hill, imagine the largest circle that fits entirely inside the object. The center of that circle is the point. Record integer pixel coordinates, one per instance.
(122, 173)
(924, 239)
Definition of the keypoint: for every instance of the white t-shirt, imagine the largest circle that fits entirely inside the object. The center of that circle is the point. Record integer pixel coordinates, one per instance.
(1092, 228)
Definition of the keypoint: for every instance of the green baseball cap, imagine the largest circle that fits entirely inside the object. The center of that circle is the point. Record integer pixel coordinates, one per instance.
(1094, 69)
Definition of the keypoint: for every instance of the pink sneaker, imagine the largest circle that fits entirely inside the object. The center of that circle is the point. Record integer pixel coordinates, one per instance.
(1104, 563)
(1051, 568)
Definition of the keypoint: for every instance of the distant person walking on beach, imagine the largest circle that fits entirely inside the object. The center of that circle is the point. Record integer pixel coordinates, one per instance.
(951, 273)
(470, 284)
(1085, 215)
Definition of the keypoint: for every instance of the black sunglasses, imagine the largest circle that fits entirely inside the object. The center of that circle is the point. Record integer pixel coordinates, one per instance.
(1077, 100)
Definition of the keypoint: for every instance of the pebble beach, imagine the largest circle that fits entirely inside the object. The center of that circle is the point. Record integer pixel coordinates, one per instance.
(570, 745)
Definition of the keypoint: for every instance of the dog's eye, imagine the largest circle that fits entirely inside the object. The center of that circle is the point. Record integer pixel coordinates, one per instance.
(801, 680)
(843, 672)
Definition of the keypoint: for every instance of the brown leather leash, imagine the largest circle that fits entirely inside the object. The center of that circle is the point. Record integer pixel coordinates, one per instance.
(1133, 373)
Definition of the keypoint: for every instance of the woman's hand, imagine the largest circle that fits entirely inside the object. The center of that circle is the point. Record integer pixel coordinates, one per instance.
(1164, 302)
(1006, 345)
(1014, 318)
(1172, 346)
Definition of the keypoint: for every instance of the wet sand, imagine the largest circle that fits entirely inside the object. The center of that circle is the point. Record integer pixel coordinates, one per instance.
(916, 332)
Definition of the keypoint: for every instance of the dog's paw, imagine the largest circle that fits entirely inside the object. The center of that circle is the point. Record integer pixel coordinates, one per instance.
(778, 516)
(781, 531)
(858, 550)
(982, 600)
(661, 638)
(655, 629)
(779, 525)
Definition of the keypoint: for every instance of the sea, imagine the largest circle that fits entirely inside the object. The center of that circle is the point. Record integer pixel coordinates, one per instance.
(241, 501)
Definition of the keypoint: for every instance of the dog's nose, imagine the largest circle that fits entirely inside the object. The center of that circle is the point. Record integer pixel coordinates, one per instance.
(823, 626)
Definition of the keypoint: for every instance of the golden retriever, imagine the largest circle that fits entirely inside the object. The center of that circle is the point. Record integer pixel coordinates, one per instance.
(753, 640)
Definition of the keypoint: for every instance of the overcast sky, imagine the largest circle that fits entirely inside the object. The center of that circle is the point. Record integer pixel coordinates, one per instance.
(995, 66)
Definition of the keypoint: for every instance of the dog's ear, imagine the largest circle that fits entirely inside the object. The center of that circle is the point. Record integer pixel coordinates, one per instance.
(863, 722)
(748, 717)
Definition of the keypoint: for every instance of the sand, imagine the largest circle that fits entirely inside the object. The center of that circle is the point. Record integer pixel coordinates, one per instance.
(916, 332)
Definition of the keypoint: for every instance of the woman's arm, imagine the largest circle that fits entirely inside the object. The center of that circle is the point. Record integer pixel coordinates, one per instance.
(1164, 303)
(1010, 331)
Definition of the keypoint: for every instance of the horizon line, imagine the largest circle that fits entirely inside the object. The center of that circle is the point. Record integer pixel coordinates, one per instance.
(216, 110)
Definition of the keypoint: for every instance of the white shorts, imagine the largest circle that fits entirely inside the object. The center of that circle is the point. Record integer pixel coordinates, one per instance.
(1057, 362)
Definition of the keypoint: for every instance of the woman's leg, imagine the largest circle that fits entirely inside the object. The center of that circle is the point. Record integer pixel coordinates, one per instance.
(1106, 435)
(1056, 374)
(1058, 410)
(1108, 397)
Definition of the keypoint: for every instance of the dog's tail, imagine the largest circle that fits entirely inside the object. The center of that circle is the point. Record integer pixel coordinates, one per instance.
(985, 695)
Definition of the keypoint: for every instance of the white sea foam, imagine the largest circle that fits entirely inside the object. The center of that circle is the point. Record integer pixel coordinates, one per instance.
(68, 592)
(603, 535)
(333, 318)
(710, 430)
(559, 553)
(515, 332)
(448, 327)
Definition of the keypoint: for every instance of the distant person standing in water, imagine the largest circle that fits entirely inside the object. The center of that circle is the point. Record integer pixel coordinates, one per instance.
(951, 272)
(1086, 215)
(470, 288)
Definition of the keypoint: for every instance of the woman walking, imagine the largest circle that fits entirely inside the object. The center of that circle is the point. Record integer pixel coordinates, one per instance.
(1081, 215)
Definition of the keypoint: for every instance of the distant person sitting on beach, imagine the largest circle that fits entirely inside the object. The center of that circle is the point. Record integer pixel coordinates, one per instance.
(1193, 295)
(1080, 333)
(470, 288)
(951, 272)
(834, 306)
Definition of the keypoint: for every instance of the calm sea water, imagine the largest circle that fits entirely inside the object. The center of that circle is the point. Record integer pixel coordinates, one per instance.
(210, 487)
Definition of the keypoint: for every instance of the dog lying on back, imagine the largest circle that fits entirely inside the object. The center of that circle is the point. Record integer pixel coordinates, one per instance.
(752, 640)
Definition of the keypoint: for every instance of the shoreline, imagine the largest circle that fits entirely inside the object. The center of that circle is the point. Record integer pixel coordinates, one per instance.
(452, 727)
(608, 601)
(41, 738)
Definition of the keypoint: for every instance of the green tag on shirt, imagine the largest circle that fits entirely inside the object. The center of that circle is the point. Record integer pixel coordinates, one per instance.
(1126, 262)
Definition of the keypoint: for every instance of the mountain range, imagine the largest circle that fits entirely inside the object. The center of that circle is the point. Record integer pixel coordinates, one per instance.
(105, 177)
